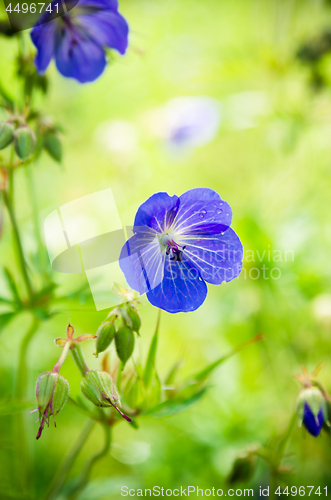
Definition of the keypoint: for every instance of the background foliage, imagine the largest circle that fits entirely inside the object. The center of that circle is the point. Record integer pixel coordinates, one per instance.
(275, 173)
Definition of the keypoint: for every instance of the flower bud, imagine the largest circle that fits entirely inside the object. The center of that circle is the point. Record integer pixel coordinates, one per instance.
(135, 319)
(124, 340)
(312, 410)
(25, 142)
(105, 335)
(52, 391)
(6, 134)
(53, 146)
(99, 388)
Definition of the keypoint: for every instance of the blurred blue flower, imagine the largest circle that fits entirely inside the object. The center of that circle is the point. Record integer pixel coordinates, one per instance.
(313, 423)
(179, 244)
(187, 122)
(76, 40)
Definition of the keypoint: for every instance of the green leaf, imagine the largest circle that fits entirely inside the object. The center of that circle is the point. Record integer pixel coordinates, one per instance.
(153, 393)
(12, 285)
(149, 368)
(9, 102)
(175, 406)
(6, 318)
(3, 300)
(204, 374)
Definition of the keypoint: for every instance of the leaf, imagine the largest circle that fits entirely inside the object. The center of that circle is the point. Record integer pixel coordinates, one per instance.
(12, 285)
(149, 368)
(6, 318)
(9, 102)
(153, 393)
(3, 300)
(168, 408)
(204, 374)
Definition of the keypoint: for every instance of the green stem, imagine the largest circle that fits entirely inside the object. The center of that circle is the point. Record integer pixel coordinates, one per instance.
(119, 375)
(19, 247)
(89, 464)
(284, 442)
(62, 357)
(78, 358)
(62, 473)
(35, 214)
(21, 381)
(23, 463)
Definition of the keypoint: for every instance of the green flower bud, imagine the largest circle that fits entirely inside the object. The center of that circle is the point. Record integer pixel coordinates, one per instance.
(135, 319)
(98, 387)
(124, 340)
(105, 335)
(53, 146)
(52, 391)
(25, 142)
(6, 134)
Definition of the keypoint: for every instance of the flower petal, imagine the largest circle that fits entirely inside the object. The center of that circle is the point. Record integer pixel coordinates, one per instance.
(43, 37)
(313, 424)
(158, 212)
(202, 210)
(181, 290)
(218, 257)
(93, 4)
(106, 27)
(78, 56)
(142, 261)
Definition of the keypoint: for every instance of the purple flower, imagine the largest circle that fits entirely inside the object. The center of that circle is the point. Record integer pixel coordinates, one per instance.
(313, 423)
(179, 244)
(77, 39)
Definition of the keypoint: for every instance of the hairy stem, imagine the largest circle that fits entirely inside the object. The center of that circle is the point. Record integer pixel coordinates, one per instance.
(19, 247)
(62, 473)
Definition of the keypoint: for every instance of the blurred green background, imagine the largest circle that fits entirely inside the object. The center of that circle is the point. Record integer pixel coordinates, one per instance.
(271, 162)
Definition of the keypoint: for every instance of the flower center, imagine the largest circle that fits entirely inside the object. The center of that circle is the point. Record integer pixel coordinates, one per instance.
(173, 249)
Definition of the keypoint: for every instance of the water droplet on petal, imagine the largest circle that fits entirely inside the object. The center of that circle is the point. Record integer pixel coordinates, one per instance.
(203, 211)
(219, 211)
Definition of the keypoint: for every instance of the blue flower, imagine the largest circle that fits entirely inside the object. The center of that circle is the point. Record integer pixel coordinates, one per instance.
(312, 409)
(179, 244)
(77, 39)
(313, 423)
